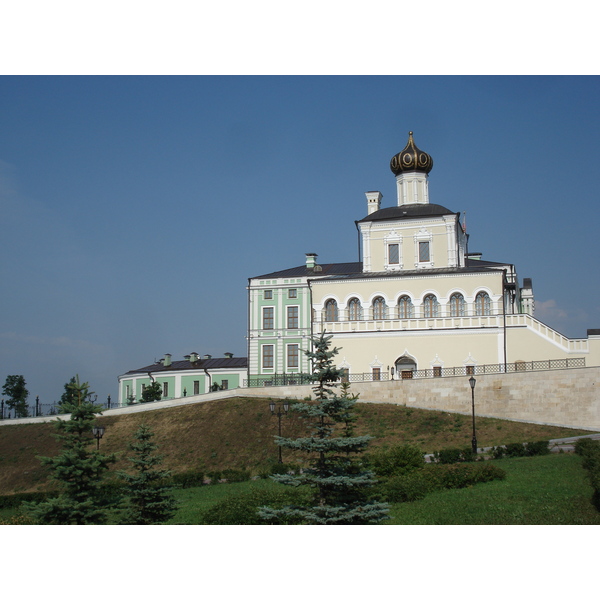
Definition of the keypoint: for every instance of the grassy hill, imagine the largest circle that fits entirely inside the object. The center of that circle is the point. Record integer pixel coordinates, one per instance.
(238, 433)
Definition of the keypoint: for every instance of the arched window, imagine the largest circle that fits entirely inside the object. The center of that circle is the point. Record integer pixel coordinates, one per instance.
(379, 309)
(430, 306)
(482, 304)
(405, 307)
(457, 305)
(331, 310)
(354, 310)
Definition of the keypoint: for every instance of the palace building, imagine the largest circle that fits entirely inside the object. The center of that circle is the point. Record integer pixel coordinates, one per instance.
(418, 303)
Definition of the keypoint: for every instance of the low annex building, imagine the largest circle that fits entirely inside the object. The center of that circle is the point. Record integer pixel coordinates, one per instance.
(191, 376)
(417, 304)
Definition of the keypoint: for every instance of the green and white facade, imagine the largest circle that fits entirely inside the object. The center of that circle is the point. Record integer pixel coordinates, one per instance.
(192, 376)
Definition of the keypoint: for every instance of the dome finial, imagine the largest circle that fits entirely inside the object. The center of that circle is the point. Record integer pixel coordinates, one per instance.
(411, 159)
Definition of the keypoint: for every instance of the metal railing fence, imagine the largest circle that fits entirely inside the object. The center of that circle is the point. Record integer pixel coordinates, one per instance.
(431, 373)
(40, 409)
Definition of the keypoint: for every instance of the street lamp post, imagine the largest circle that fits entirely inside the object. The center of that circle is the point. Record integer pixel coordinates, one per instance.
(98, 432)
(279, 414)
(472, 382)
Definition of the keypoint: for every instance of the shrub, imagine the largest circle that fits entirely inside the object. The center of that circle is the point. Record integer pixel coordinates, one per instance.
(14, 500)
(214, 476)
(188, 479)
(416, 485)
(516, 449)
(242, 509)
(449, 456)
(456, 476)
(406, 488)
(234, 475)
(537, 448)
(398, 460)
(589, 450)
(280, 468)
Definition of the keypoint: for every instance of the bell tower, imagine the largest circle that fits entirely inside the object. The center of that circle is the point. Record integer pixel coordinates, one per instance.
(411, 168)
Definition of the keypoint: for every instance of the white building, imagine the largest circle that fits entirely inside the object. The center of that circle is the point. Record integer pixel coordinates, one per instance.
(417, 305)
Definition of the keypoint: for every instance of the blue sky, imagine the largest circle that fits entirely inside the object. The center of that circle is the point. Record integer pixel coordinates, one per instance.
(135, 208)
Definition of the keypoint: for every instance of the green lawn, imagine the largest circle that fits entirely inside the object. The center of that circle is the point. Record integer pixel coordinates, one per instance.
(543, 490)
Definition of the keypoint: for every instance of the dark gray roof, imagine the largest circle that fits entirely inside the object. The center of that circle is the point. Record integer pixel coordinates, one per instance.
(302, 271)
(412, 272)
(408, 211)
(473, 262)
(204, 363)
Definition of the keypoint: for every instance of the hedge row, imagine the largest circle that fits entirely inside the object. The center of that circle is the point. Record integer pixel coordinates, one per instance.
(525, 449)
(419, 483)
(590, 451)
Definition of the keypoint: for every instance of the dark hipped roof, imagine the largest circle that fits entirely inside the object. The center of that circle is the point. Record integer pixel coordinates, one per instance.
(203, 363)
(412, 272)
(326, 270)
(408, 211)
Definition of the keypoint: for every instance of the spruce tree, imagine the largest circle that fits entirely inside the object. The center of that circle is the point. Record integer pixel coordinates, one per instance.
(149, 498)
(78, 469)
(14, 388)
(68, 396)
(339, 481)
(152, 392)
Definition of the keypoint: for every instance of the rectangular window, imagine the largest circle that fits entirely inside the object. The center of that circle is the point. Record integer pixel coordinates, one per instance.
(424, 252)
(292, 317)
(293, 293)
(268, 317)
(376, 374)
(196, 388)
(292, 355)
(393, 254)
(268, 295)
(165, 389)
(225, 384)
(267, 357)
(143, 387)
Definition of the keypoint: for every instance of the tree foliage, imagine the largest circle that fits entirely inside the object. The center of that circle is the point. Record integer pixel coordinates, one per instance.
(339, 481)
(14, 388)
(152, 392)
(78, 470)
(68, 396)
(78, 392)
(149, 497)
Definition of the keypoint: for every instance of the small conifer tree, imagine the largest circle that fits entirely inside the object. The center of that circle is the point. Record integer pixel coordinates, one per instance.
(78, 469)
(149, 497)
(339, 481)
(152, 392)
(14, 388)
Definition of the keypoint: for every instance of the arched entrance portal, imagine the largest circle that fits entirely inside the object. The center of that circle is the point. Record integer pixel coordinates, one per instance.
(404, 367)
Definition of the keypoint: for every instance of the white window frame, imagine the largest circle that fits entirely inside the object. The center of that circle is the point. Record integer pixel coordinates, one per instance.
(287, 353)
(262, 357)
(297, 317)
(423, 236)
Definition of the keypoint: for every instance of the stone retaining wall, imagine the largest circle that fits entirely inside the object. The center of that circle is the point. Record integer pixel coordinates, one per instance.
(568, 398)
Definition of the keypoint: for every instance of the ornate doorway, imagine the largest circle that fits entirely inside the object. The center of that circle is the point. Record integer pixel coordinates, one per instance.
(404, 367)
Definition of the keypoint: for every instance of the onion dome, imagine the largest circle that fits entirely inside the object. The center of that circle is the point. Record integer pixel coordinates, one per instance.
(411, 159)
